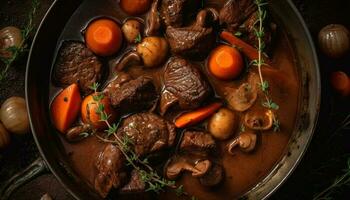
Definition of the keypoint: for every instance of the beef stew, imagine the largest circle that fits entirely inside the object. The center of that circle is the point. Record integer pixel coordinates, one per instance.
(148, 101)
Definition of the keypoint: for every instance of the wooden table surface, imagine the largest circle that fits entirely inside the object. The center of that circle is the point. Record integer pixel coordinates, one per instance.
(322, 163)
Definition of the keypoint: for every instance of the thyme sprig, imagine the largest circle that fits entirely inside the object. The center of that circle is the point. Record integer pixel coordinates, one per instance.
(125, 144)
(260, 34)
(17, 51)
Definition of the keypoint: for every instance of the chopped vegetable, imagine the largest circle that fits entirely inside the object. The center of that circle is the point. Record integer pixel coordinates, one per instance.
(251, 52)
(341, 83)
(225, 63)
(196, 116)
(14, 115)
(104, 37)
(91, 111)
(135, 7)
(65, 108)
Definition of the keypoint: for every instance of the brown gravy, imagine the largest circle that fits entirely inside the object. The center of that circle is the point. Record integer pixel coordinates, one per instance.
(242, 171)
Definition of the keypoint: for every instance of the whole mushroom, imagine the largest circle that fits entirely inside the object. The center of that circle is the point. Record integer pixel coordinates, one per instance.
(153, 51)
(223, 124)
(132, 30)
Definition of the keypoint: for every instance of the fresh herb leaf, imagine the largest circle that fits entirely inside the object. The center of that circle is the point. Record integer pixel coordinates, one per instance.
(276, 125)
(138, 38)
(84, 135)
(264, 86)
(238, 34)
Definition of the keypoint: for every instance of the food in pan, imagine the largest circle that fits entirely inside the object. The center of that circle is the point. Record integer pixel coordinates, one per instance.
(176, 98)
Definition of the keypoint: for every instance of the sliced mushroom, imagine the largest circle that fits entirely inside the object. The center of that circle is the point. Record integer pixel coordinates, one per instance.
(207, 16)
(245, 96)
(153, 20)
(202, 166)
(246, 141)
(129, 59)
(213, 177)
(78, 133)
(179, 165)
(260, 120)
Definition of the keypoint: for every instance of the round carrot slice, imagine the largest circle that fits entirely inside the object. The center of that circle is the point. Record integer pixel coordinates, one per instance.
(104, 37)
(225, 63)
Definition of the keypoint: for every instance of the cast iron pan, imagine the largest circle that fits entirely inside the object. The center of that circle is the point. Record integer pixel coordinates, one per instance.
(53, 157)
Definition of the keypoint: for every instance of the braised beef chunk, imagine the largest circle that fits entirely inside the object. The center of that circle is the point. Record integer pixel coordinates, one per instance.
(183, 85)
(194, 41)
(173, 11)
(109, 165)
(235, 12)
(197, 141)
(77, 64)
(213, 177)
(148, 132)
(129, 95)
(153, 21)
(134, 185)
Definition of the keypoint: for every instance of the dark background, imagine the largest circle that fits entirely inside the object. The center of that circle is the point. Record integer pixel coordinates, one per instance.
(324, 161)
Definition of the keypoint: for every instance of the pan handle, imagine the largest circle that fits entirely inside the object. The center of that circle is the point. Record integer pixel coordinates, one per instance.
(35, 169)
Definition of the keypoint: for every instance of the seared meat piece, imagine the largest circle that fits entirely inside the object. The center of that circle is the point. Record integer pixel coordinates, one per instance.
(214, 176)
(153, 22)
(235, 12)
(129, 95)
(148, 132)
(77, 64)
(134, 185)
(109, 165)
(194, 41)
(173, 11)
(183, 84)
(197, 141)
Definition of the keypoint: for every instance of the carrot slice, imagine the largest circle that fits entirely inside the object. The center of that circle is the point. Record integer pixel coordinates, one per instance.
(196, 116)
(65, 107)
(90, 115)
(103, 37)
(225, 63)
(341, 83)
(251, 52)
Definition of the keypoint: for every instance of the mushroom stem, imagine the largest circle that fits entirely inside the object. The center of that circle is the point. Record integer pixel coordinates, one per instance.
(129, 59)
(246, 141)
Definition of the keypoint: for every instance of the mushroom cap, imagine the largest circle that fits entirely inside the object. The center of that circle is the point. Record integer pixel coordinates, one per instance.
(246, 141)
(260, 120)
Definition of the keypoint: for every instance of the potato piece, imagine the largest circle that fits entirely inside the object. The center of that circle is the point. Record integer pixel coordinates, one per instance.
(223, 124)
(132, 29)
(153, 50)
